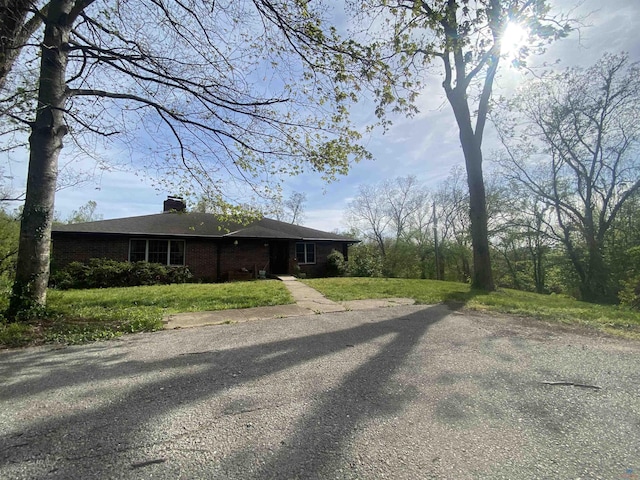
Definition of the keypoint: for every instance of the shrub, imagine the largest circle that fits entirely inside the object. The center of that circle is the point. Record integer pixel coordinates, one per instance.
(364, 261)
(178, 274)
(336, 266)
(629, 295)
(104, 273)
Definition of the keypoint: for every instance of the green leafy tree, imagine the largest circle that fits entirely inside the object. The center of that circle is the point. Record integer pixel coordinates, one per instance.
(85, 213)
(9, 234)
(466, 38)
(573, 141)
(630, 293)
(386, 213)
(520, 235)
(364, 261)
(623, 236)
(232, 94)
(451, 200)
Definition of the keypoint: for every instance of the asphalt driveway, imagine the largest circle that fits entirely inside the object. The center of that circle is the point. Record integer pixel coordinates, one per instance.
(410, 392)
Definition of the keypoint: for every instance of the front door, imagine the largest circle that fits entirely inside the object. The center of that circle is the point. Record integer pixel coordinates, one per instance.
(278, 257)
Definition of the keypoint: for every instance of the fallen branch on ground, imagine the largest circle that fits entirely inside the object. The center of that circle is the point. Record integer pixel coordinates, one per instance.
(581, 385)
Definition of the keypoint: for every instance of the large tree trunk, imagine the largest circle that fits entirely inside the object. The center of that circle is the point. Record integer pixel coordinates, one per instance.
(595, 287)
(588, 262)
(537, 259)
(482, 273)
(482, 277)
(47, 132)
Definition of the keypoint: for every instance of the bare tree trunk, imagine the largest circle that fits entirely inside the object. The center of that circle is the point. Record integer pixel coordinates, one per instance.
(482, 275)
(596, 287)
(47, 132)
(537, 259)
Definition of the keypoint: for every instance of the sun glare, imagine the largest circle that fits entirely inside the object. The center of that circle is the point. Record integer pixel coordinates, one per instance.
(513, 39)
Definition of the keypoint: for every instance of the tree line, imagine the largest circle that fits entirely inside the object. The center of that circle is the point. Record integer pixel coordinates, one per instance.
(432, 240)
(562, 199)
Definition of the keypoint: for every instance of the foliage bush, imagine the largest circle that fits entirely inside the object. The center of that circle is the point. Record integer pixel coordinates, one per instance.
(105, 273)
(401, 261)
(336, 266)
(629, 294)
(9, 235)
(364, 261)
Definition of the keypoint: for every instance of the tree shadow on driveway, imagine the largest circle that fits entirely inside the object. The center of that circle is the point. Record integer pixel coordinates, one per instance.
(459, 300)
(107, 440)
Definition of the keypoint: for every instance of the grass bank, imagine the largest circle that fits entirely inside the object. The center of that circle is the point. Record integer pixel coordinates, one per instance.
(551, 308)
(77, 316)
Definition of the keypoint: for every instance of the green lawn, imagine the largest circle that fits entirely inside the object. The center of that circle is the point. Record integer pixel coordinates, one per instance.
(176, 298)
(75, 316)
(551, 308)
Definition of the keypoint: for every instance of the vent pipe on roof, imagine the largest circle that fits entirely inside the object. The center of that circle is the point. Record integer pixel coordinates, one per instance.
(174, 204)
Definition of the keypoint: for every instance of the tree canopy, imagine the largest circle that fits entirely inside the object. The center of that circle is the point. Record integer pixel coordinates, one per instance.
(224, 96)
(229, 92)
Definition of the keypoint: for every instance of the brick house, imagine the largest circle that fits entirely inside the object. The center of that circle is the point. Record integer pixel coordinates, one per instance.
(212, 250)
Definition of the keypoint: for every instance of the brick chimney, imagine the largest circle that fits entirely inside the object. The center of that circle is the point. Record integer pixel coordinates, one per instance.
(174, 204)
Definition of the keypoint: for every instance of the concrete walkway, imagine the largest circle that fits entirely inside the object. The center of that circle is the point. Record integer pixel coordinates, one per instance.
(308, 301)
(310, 298)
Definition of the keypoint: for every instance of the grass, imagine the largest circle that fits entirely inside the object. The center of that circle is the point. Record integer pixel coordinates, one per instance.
(176, 298)
(551, 308)
(78, 316)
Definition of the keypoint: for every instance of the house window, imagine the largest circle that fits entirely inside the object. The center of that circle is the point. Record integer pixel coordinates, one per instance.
(176, 252)
(306, 253)
(166, 252)
(157, 251)
(137, 250)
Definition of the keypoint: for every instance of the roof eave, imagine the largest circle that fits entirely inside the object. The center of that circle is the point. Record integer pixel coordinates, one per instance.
(136, 234)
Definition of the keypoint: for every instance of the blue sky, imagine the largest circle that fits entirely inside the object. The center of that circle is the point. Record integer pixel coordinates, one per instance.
(426, 146)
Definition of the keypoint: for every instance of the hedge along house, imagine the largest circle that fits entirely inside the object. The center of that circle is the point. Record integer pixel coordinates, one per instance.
(211, 249)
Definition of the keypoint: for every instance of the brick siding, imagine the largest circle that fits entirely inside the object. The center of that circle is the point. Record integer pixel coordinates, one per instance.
(323, 249)
(252, 255)
(80, 248)
(201, 255)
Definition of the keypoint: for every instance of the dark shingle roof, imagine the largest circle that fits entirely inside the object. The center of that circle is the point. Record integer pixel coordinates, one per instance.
(199, 225)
